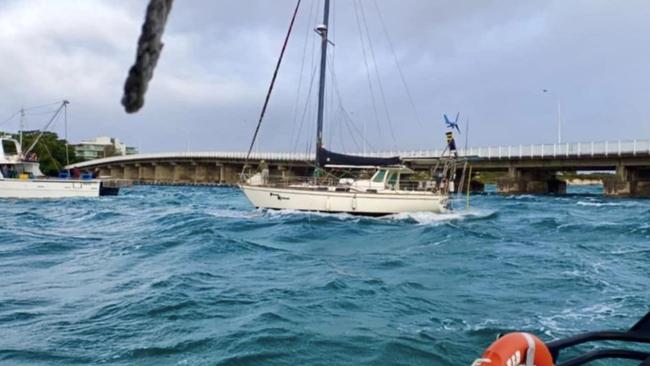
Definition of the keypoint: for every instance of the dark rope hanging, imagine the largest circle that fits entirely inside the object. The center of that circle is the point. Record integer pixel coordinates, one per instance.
(149, 49)
(275, 74)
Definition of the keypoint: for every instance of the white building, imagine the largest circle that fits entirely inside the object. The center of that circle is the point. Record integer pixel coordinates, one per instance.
(102, 147)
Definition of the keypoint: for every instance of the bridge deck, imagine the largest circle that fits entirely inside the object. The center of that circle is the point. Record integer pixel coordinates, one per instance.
(531, 168)
(579, 150)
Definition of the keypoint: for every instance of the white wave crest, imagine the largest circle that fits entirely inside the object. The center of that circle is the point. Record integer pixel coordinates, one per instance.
(520, 197)
(595, 203)
(428, 218)
(296, 213)
(233, 214)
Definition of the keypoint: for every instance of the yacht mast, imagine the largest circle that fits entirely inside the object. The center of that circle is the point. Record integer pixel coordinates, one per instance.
(322, 31)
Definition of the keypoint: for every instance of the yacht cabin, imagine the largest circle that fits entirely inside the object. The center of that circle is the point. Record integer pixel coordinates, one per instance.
(14, 164)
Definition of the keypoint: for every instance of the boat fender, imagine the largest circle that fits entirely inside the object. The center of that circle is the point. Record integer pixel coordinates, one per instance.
(516, 349)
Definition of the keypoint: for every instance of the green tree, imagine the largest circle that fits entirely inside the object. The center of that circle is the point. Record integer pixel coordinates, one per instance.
(50, 150)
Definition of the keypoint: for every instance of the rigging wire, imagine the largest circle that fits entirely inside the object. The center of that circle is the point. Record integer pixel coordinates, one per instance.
(32, 108)
(310, 111)
(341, 138)
(42, 105)
(332, 122)
(10, 118)
(305, 109)
(302, 68)
(49, 111)
(351, 125)
(275, 75)
(22, 127)
(365, 61)
(349, 130)
(379, 83)
(347, 119)
(52, 159)
(346, 114)
(65, 128)
(397, 64)
(308, 147)
(47, 125)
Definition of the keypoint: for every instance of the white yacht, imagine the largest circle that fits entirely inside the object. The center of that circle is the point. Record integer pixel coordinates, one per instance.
(22, 178)
(388, 191)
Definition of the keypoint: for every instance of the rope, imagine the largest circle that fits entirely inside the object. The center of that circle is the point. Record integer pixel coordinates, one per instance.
(530, 353)
(149, 48)
(275, 75)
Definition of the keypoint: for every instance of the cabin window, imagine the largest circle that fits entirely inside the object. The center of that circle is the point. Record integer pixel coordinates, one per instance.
(392, 179)
(9, 147)
(379, 177)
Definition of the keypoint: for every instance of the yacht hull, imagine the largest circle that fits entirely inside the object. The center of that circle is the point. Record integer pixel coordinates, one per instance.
(49, 188)
(384, 203)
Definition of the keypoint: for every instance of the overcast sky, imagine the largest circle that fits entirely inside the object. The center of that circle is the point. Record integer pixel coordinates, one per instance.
(488, 60)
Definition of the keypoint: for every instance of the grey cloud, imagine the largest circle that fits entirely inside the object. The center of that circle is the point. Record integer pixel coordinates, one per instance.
(488, 59)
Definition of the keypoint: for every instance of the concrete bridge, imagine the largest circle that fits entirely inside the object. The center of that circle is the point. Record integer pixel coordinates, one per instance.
(208, 168)
(530, 168)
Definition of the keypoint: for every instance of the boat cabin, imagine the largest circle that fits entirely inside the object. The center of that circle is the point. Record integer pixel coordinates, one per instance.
(10, 151)
(13, 163)
(384, 178)
(389, 178)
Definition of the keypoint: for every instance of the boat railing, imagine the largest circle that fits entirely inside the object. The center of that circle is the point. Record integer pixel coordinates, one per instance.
(297, 181)
(417, 185)
(327, 182)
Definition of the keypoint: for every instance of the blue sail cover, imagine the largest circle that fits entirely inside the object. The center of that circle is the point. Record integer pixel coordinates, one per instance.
(326, 157)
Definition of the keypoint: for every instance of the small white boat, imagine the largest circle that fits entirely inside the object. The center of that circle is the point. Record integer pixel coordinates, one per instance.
(22, 178)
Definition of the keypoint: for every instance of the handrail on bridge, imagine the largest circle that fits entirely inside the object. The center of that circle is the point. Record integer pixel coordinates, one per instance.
(579, 149)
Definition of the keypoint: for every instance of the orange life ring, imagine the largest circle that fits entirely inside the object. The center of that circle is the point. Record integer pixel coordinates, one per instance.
(516, 349)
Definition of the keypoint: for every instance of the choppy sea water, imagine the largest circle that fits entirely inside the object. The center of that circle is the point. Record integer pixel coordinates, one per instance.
(195, 276)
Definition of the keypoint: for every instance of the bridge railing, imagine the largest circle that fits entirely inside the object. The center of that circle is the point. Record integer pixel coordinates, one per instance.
(579, 149)
(523, 151)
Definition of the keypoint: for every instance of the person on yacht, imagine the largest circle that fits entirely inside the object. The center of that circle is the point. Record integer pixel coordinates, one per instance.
(451, 144)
